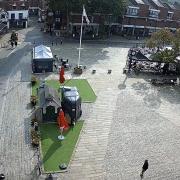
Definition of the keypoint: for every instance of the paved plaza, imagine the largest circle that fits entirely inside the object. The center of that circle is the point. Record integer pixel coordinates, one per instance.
(130, 121)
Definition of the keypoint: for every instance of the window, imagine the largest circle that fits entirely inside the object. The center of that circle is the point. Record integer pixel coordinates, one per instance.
(58, 19)
(20, 15)
(3, 16)
(12, 16)
(153, 13)
(170, 15)
(14, 7)
(133, 11)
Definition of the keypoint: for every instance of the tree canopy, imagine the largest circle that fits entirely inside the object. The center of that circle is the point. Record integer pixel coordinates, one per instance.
(160, 38)
(114, 7)
(166, 56)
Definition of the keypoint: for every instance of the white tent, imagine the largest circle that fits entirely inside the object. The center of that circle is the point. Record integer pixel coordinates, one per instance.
(42, 59)
(42, 52)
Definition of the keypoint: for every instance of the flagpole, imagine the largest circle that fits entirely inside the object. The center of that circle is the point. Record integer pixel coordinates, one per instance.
(80, 42)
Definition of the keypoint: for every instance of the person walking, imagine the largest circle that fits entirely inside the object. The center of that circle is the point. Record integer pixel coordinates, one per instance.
(144, 168)
(12, 44)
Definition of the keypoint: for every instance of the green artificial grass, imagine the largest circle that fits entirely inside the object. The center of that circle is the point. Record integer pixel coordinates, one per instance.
(34, 88)
(86, 92)
(55, 152)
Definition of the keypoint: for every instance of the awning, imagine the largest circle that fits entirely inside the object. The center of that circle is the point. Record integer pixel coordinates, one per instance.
(42, 52)
(79, 24)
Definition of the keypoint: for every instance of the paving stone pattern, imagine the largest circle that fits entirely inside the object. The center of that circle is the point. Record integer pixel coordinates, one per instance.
(130, 121)
(18, 159)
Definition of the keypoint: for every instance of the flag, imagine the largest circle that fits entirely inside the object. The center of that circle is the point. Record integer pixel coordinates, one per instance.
(85, 16)
(62, 122)
(61, 75)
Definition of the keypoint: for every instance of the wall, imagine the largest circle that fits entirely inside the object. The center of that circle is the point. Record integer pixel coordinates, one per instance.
(25, 14)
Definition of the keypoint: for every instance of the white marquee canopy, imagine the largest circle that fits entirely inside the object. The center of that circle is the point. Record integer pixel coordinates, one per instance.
(42, 52)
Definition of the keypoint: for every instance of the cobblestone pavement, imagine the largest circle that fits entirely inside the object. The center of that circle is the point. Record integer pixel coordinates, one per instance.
(130, 121)
(18, 159)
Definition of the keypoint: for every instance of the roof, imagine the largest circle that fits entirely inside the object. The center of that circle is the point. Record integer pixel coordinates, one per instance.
(131, 3)
(157, 3)
(177, 5)
(2, 26)
(48, 97)
(42, 52)
(139, 1)
(151, 5)
(70, 94)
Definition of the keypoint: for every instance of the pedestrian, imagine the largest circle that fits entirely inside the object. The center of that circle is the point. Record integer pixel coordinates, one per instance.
(61, 42)
(12, 44)
(144, 168)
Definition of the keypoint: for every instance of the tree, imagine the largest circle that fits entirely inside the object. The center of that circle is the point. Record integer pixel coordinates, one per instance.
(160, 38)
(166, 56)
(114, 7)
(176, 42)
(150, 43)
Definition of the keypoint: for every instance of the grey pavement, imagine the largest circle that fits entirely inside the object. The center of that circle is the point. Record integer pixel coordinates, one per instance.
(18, 159)
(130, 121)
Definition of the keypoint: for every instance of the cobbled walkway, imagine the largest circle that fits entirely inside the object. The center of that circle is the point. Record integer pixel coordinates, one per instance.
(17, 157)
(88, 159)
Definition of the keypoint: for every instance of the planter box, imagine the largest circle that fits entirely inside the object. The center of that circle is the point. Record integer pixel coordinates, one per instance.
(78, 70)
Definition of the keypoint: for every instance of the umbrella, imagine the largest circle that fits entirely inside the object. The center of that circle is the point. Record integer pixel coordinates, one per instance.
(61, 75)
(62, 122)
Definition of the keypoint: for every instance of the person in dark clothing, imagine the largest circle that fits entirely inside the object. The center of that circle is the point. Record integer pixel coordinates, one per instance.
(12, 44)
(144, 168)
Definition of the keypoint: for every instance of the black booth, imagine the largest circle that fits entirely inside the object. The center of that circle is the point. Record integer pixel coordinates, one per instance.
(71, 102)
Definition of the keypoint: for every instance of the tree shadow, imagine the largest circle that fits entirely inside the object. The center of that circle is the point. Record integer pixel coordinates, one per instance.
(153, 95)
(150, 95)
(170, 93)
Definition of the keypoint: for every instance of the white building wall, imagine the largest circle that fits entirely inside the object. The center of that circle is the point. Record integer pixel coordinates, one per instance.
(16, 12)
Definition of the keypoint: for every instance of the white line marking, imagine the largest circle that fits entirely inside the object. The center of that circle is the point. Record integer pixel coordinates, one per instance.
(11, 52)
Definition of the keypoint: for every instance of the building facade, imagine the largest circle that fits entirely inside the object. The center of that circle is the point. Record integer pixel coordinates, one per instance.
(38, 8)
(143, 17)
(4, 23)
(17, 12)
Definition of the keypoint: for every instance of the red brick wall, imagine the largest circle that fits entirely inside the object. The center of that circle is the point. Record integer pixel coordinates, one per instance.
(143, 10)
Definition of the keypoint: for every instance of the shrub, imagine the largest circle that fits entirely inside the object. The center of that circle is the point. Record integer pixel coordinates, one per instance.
(33, 100)
(33, 80)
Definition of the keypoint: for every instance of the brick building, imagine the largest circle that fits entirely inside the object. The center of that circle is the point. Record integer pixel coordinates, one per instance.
(3, 21)
(37, 8)
(17, 12)
(143, 17)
